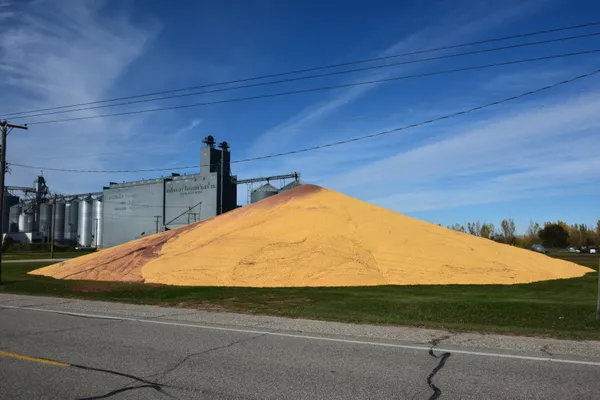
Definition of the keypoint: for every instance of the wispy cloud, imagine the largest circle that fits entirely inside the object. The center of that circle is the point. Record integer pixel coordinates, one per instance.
(458, 25)
(513, 155)
(60, 53)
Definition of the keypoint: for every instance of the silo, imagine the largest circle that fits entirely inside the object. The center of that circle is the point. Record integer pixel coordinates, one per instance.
(22, 222)
(9, 201)
(59, 221)
(263, 192)
(13, 218)
(45, 219)
(71, 220)
(97, 222)
(84, 225)
(25, 222)
(290, 185)
(29, 221)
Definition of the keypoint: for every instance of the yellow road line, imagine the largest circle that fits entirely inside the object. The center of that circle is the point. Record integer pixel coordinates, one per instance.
(36, 359)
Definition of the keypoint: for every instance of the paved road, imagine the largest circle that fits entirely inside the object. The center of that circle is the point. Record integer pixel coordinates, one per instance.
(96, 350)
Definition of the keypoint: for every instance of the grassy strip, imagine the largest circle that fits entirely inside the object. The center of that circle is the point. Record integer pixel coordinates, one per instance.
(42, 255)
(562, 308)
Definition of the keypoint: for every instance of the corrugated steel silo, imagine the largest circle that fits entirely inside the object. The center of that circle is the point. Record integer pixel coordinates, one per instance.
(29, 221)
(59, 221)
(263, 192)
(22, 222)
(9, 201)
(84, 225)
(97, 222)
(46, 219)
(290, 185)
(13, 218)
(71, 220)
(25, 222)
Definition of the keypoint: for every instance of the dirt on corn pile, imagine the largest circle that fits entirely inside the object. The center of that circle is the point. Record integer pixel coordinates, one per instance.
(311, 236)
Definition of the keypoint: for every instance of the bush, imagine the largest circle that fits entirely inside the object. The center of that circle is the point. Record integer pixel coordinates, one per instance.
(554, 235)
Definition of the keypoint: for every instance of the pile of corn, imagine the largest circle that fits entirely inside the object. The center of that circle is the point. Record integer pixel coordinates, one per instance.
(311, 236)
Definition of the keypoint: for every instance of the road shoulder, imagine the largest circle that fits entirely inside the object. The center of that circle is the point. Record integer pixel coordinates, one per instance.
(409, 336)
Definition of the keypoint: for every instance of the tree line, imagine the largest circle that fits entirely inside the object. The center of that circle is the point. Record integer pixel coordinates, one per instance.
(552, 234)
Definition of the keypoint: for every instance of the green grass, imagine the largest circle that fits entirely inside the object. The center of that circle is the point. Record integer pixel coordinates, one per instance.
(562, 308)
(42, 255)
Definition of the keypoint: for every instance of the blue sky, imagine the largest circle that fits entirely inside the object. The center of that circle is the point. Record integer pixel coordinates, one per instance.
(535, 158)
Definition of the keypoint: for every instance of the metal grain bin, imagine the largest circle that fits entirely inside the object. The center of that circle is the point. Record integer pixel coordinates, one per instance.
(290, 185)
(9, 201)
(13, 218)
(263, 192)
(71, 220)
(45, 219)
(84, 225)
(59, 221)
(21, 222)
(25, 222)
(97, 222)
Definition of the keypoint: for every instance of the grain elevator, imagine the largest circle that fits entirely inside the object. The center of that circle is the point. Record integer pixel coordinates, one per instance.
(126, 211)
(135, 209)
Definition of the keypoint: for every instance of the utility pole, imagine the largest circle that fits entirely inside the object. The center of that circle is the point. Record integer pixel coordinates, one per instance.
(53, 228)
(157, 217)
(4, 125)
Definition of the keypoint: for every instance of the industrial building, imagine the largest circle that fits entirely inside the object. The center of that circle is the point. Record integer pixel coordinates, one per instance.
(126, 211)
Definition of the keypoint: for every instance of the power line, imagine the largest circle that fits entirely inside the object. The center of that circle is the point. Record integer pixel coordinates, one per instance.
(239, 99)
(522, 35)
(291, 128)
(356, 139)
(105, 171)
(456, 114)
(315, 76)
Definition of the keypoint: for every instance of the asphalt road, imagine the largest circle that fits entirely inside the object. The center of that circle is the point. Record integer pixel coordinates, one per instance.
(67, 349)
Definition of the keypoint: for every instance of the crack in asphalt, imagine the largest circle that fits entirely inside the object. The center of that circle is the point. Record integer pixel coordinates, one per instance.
(121, 390)
(163, 374)
(109, 371)
(437, 392)
(144, 383)
(154, 381)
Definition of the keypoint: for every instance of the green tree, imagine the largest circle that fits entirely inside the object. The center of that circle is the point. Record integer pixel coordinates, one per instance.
(554, 235)
(457, 227)
(508, 231)
(573, 235)
(561, 223)
(532, 233)
(487, 231)
(474, 228)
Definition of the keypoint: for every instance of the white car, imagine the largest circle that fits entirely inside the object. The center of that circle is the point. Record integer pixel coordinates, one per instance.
(592, 251)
